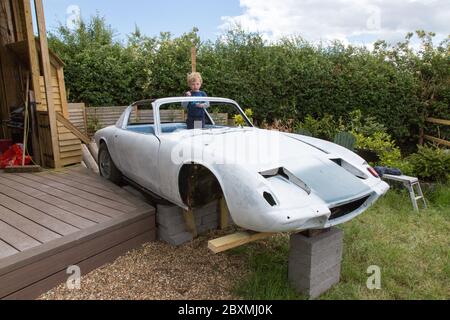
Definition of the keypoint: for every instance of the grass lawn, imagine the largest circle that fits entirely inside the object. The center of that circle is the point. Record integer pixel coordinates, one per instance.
(412, 250)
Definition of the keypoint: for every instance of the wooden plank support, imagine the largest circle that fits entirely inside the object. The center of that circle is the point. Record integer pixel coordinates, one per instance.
(194, 59)
(38, 155)
(45, 57)
(236, 240)
(68, 125)
(224, 214)
(190, 222)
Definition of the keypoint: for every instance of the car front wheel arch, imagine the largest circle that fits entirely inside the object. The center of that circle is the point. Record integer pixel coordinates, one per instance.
(198, 186)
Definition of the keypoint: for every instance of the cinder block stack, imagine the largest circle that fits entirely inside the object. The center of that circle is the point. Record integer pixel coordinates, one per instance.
(207, 218)
(315, 262)
(172, 226)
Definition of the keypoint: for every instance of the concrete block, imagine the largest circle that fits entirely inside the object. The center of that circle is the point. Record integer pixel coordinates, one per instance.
(211, 219)
(169, 215)
(299, 242)
(198, 220)
(315, 263)
(321, 283)
(205, 229)
(211, 208)
(173, 230)
(176, 240)
(327, 257)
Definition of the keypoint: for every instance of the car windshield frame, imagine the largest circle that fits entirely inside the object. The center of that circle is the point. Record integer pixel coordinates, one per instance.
(211, 100)
(156, 105)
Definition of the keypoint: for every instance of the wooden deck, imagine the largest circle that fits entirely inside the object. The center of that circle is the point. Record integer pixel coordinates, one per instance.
(52, 220)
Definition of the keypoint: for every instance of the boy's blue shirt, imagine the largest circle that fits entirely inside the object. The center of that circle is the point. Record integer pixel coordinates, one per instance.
(193, 111)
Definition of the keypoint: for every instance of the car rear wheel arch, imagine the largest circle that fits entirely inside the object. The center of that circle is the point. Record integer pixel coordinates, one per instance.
(107, 167)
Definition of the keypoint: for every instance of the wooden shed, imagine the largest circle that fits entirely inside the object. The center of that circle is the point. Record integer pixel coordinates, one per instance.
(32, 77)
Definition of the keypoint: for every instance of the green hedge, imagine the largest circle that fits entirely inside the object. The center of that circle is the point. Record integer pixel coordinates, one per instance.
(286, 80)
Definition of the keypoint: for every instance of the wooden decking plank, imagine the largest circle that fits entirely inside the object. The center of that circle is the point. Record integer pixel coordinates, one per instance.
(77, 249)
(67, 242)
(85, 178)
(57, 213)
(68, 197)
(6, 250)
(87, 187)
(57, 202)
(15, 238)
(86, 195)
(27, 226)
(82, 174)
(37, 216)
(86, 266)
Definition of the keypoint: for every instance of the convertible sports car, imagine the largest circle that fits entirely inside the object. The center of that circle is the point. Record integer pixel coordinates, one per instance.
(271, 181)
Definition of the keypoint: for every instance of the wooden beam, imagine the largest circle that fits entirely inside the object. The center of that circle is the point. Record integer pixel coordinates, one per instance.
(439, 121)
(32, 51)
(62, 92)
(67, 124)
(33, 60)
(224, 214)
(438, 141)
(19, 24)
(236, 240)
(194, 59)
(45, 57)
(190, 222)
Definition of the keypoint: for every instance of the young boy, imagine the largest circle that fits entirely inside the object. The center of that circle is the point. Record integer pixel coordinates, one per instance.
(196, 110)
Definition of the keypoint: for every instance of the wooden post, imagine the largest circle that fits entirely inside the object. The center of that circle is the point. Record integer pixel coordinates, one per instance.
(35, 74)
(189, 216)
(45, 57)
(62, 92)
(32, 51)
(38, 155)
(224, 223)
(19, 23)
(194, 59)
(189, 219)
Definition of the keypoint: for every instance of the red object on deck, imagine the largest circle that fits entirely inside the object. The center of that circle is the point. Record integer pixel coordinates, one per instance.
(13, 157)
(5, 144)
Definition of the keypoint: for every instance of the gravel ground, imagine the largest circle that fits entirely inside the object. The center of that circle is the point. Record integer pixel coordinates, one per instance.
(158, 271)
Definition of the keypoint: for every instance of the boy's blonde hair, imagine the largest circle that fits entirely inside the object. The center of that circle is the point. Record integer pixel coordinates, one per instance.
(192, 77)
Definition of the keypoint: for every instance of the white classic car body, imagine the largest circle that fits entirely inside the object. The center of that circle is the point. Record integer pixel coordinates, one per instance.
(287, 182)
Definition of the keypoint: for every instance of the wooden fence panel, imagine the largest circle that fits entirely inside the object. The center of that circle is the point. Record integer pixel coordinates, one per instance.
(77, 115)
(437, 140)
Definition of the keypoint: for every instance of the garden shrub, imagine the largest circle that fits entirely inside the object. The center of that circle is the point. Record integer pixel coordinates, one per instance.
(239, 120)
(431, 163)
(323, 128)
(382, 144)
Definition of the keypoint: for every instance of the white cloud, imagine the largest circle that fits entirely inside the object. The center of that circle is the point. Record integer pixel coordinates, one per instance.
(351, 21)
